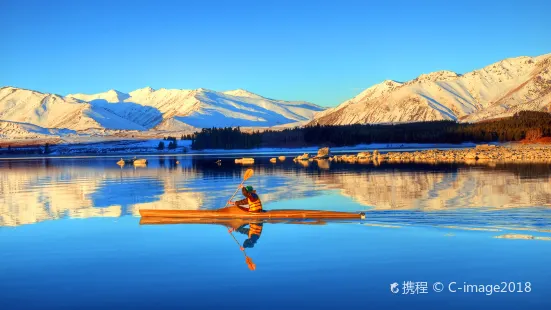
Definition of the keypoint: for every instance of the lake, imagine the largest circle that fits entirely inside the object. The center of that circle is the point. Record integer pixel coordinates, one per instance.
(70, 236)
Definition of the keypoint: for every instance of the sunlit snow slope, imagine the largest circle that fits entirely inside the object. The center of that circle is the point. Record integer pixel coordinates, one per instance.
(498, 90)
(147, 109)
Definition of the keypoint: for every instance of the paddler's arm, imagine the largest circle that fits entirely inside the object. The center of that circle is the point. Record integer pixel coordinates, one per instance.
(241, 202)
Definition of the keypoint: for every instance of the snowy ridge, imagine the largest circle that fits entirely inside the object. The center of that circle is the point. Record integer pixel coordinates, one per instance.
(148, 109)
(242, 93)
(45, 110)
(498, 90)
(231, 110)
(109, 96)
(205, 108)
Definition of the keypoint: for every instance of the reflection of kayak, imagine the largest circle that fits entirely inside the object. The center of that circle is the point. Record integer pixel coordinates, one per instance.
(234, 223)
(234, 212)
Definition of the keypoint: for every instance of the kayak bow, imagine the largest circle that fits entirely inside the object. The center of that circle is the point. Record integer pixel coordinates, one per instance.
(237, 213)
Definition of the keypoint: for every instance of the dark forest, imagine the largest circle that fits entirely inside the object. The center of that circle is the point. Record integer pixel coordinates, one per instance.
(523, 125)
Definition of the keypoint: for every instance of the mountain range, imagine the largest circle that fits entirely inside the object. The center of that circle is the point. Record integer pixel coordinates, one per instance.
(498, 90)
(147, 109)
(495, 91)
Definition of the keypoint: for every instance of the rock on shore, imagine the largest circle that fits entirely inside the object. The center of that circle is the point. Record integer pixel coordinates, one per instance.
(323, 153)
(481, 153)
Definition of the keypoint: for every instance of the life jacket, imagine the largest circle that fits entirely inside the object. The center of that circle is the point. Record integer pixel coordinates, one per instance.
(254, 203)
(255, 229)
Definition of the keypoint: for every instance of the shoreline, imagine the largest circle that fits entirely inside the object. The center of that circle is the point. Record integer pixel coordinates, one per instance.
(362, 153)
(147, 148)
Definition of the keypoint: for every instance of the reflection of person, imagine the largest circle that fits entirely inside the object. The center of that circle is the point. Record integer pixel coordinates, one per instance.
(253, 232)
(251, 199)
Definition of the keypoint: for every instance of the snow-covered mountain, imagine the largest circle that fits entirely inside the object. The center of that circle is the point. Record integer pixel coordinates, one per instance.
(203, 108)
(14, 130)
(149, 109)
(498, 90)
(54, 111)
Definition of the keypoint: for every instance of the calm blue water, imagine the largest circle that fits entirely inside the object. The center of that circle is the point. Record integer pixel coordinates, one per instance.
(70, 236)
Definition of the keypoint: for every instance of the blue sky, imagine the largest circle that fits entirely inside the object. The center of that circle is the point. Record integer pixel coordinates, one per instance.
(319, 51)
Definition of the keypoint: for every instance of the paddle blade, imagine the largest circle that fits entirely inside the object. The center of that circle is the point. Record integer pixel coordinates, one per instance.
(250, 263)
(249, 173)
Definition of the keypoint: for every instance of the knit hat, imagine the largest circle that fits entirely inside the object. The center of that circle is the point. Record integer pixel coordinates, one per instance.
(249, 189)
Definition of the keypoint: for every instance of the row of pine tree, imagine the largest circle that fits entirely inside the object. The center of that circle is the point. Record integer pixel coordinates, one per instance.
(523, 125)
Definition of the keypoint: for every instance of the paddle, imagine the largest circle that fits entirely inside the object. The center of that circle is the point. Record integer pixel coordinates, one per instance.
(248, 173)
(248, 260)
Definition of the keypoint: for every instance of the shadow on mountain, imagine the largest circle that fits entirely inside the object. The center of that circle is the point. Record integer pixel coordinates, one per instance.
(255, 115)
(124, 115)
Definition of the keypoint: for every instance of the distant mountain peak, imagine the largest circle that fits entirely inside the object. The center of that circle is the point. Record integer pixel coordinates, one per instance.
(142, 91)
(205, 90)
(242, 93)
(389, 84)
(378, 89)
(543, 57)
(111, 95)
(442, 75)
(117, 93)
(146, 89)
(114, 91)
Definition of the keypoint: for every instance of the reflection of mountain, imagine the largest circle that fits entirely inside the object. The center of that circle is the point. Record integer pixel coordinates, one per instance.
(34, 191)
(396, 189)
(283, 187)
(34, 194)
(24, 198)
(271, 184)
(174, 196)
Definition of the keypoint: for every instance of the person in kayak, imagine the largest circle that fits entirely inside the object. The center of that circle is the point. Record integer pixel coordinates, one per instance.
(251, 199)
(253, 232)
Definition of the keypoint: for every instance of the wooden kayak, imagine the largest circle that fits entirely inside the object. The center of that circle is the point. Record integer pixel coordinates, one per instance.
(234, 223)
(234, 212)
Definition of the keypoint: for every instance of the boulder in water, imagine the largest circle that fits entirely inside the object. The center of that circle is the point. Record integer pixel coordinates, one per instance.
(323, 153)
(304, 156)
(244, 160)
